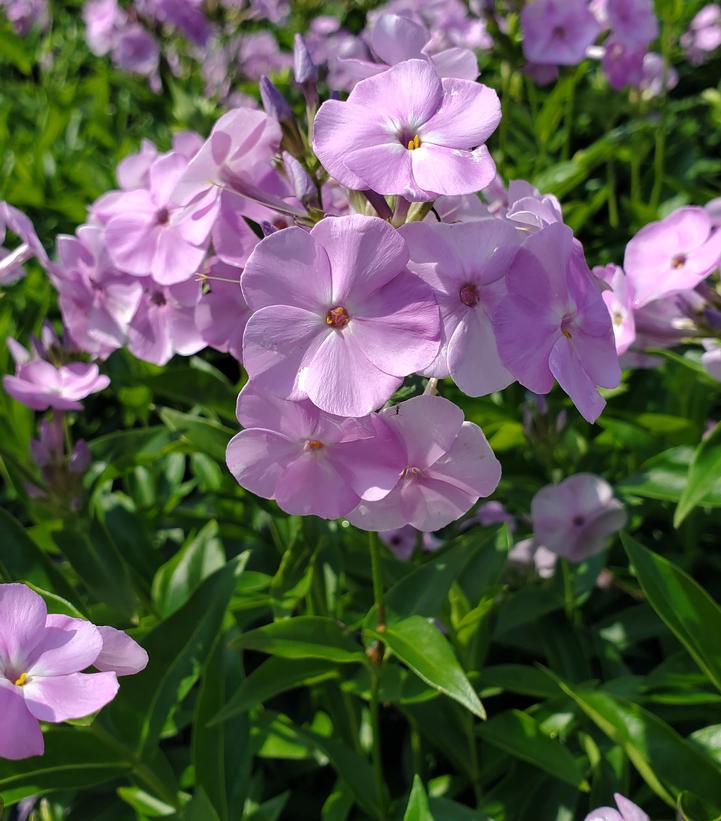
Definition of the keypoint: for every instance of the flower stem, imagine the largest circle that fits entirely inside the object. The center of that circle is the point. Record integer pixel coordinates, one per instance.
(377, 574)
(376, 656)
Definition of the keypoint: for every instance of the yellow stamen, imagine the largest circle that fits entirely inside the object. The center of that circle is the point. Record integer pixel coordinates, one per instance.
(314, 444)
(20, 682)
(414, 143)
(566, 333)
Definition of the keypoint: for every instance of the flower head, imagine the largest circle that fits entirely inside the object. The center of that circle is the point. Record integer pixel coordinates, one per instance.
(619, 301)
(344, 323)
(448, 466)
(576, 517)
(627, 811)
(557, 31)
(566, 329)
(42, 657)
(408, 132)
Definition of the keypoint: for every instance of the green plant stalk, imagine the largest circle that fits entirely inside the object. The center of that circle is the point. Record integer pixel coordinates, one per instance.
(377, 659)
(473, 752)
(569, 599)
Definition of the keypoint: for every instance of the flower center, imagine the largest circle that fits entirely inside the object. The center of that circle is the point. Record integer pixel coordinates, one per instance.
(21, 680)
(559, 32)
(678, 261)
(578, 521)
(337, 317)
(157, 298)
(412, 144)
(618, 318)
(314, 444)
(410, 473)
(469, 295)
(162, 216)
(567, 326)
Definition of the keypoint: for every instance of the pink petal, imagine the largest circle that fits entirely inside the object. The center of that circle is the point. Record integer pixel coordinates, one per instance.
(289, 267)
(456, 62)
(568, 370)
(470, 465)
(164, 175)
(444, 170)
(131, 242)
(61, 698)
(258, 458)
(20, 736)
(398, 328)
(629, 810)
(473, 358)
(120, 654)
(386, 168)
(22, 622)
(68, 646)
(174, 260)
(385, 514)
(365, 253)
(256, 409)
(469, 114)
(340, 379)
(599, 358)
(311, 485)
(394, 38)
(278, 346)
(427, 425)
(430, 504)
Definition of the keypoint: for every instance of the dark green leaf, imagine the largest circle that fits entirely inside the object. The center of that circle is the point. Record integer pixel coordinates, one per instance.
(303, 637)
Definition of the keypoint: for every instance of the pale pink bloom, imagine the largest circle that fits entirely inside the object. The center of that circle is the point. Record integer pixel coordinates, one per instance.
(222, 313)
(41, 659)
(337, 316)
(619, 301)
(672, 255)
(623, 64)
(310, 462)
(104, 20)
(408, 132)
(703, 37)
(627, 811)
(557, 31)
(575, 518)
(401, 541)
(528, 209)
(448, 466)
(566, 329)
(633, 22)
(465, 264)
(136, 50)
(527, 553)
(658, 76)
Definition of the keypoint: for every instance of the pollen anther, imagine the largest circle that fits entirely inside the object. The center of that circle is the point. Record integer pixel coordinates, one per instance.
(414, 143)
(314, 444)
(21, 681)
(337, 317)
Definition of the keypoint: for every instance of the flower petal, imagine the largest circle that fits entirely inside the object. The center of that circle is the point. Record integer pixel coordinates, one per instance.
(473, 358)
(257, 459)
(427, 426)
(22, 622)
(61, 698)
(569, 371)
(120, 654)
(20, 736)
(444, 170)
(68, 646)
(470, 465)
(469, 114)
(312, 486)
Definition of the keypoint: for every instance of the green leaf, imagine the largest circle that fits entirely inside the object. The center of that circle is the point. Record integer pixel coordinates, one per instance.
(21, 558)
(274, 676)
(192, 386)
(200, 808)
(668, 763)
(146, 804)
(57, 604)
(176, 580)
(691, 808)
(682, 604)
(519, 678)
(519, 734)
(178, 648)
(74, 759)
(203, 434)
(15, 51)
(425, 650)
(418, 809)
(303, 637)
(703, 474)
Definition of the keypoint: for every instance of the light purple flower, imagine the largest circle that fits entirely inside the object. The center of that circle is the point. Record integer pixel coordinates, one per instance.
(185, 15)
(408, 132)
(658, 76)
(671, 255)
(41, 659)
(120, 654)
(11, 261)
(164, 323)
(527, 553)
(148, 236)
(448, 466)
(575, 518)
(135, 49)
(258, 54)
(392, 39)
(633, 22)
(310, 462)
(567, 331)
(104, 20)
(222, 313)
(465, 264)
(97, 301)
(627, 811)
(41, 385)
(528, 209)
(557, 32)
(401, 541)
(713, 209)
(623, 64)
(337, 317)
(704, 34)
(619, 301)
(26, 14)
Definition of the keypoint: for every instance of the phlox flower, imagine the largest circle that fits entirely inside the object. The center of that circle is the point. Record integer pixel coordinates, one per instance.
(622, 64)
(554, 323)
(557, 31)
(671, 255)
(408, 132)
(136, 50)
(392, 39)
(337, 316)
(527, 554)
(222, 313)
(96, 300)
(448, 466)
(633, 22)
(42, 657)
(704, 34)
(40, 385)
(528, 209)
(11, 262)
(619, 301)
(164, 323)
(401, 541)
(575, 518)
(627, 811)
(658, 76)
(310, 462)
(465, 264)
(148, 236)
(711, 359)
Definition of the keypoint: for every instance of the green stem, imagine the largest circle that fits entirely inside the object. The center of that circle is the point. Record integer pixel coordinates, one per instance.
(569, 599)
(473, 752)
(377, 757)
(612, 197)
(377, 658)
(377, 574)
(568, 117)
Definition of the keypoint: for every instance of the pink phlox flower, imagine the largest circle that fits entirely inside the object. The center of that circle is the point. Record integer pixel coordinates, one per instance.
(11, 261)
(557, 32)
(576, 518)
(633, 22)
(554, 323)
(619, 301)
(465, 264)
(448, 466)
(408, 132)
(311, 462)
(704, 34)
(222, 312)
(627, 811)
(344, 322)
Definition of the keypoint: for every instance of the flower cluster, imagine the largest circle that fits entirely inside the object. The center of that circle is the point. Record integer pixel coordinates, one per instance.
(42, 657)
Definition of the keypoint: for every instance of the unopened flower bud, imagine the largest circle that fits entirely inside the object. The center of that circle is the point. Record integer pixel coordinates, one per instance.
(304, 69)
(303, 187)
(274, 102)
